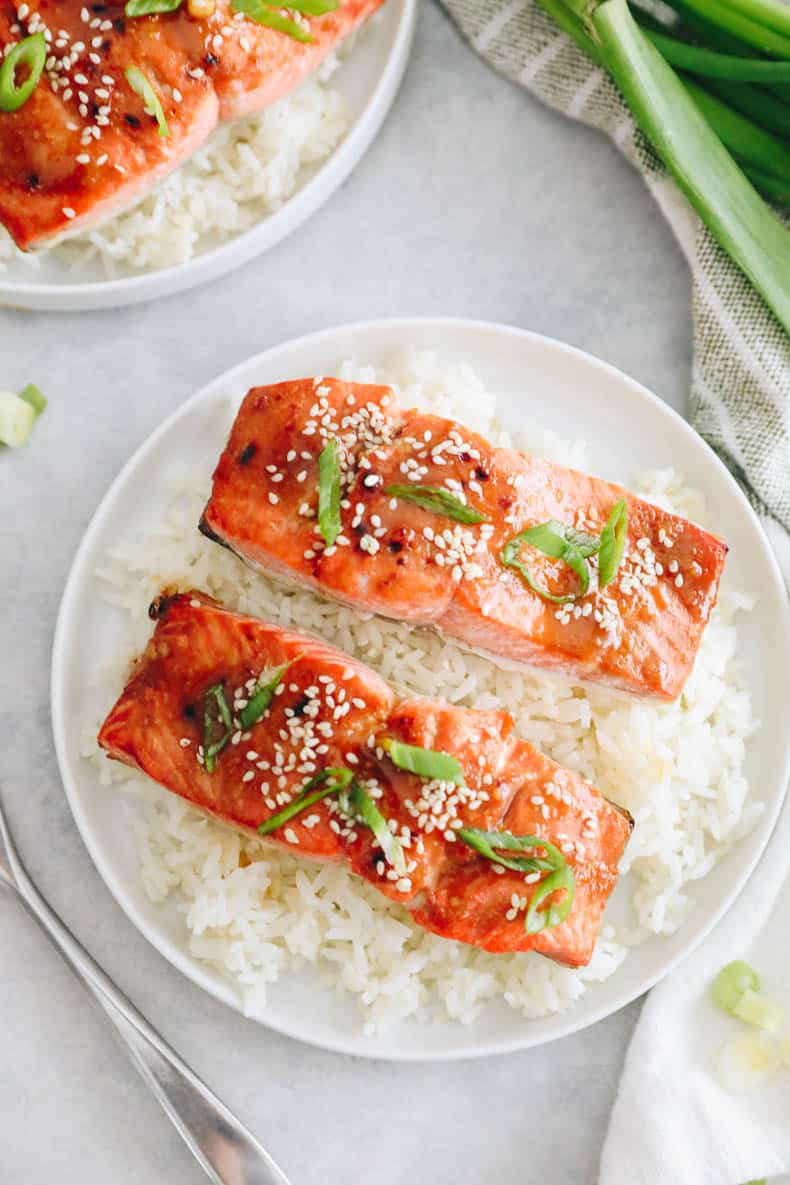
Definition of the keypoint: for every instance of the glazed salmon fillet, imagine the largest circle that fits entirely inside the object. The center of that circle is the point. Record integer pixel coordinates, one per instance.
(329, 714)
(639, 632)
(83, 146)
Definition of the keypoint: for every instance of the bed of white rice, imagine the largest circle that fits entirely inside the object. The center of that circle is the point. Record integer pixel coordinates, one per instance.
(245, 170)
(256, 913)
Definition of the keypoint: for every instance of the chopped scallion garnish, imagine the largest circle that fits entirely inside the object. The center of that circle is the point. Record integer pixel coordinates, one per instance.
(329, 782)
(30, 52)
(753, 1009)
(538, 919)
(261, 698)
(262, 14)
(426, 763)
(17, 418)
(135, 8)
(329, 492)
(731, 982)
(153, 104)
(357, 803)
(216, 715)
(491, 844)
(437, 500)
(35, 397)
(559, 542)
(612, 543)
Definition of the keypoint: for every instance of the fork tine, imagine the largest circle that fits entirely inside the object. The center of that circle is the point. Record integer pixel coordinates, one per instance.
(9, 859)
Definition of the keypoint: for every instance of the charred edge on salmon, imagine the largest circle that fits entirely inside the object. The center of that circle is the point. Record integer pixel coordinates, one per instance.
(206, 530)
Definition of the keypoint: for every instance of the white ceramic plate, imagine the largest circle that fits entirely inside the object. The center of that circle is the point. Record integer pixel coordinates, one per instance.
(557, 387)
(368, 81)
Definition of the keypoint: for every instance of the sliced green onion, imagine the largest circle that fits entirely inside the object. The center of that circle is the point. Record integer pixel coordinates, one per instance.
(259, 12)
(731, 208)
(312, 7)
(426, 763)
(136, 8)
(261, 698)
(710, 64)
(491, 844)
(559, 542)
(731, 982)
(744, 138)
(329, 492)
(215, 713)
(357, 803)
(152, 103)
(329, 781)
(31, 52)
(538, 919)
(612, 547)
(755, 102)
(17, 418)
(752, 1009)
(437, 500)
(32, 395)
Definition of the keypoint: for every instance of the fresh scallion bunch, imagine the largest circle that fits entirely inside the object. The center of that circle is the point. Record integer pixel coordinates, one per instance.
(710, 89)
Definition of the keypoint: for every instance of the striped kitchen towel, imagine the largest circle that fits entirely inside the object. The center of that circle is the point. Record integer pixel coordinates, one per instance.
(740, 385)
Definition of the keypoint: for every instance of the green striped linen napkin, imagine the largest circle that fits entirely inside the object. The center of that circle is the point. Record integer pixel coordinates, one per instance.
(740, 386)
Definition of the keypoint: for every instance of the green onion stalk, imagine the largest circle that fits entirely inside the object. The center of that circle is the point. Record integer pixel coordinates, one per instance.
(711, 91)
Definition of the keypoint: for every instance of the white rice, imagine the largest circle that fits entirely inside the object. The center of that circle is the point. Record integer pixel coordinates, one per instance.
(677, 767)
(245, 170)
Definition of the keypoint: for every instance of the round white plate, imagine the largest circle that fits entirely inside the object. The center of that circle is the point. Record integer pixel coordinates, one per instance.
(368, 81)
(556, 387)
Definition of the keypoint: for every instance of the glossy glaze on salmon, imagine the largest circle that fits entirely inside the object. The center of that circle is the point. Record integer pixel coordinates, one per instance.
(83, 146)
(331, 712)
(640, 633)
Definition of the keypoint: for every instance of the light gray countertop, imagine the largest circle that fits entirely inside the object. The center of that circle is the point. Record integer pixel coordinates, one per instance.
(475, 201)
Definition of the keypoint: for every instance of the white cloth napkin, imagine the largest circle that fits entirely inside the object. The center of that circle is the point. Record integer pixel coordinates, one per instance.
(673, 1122)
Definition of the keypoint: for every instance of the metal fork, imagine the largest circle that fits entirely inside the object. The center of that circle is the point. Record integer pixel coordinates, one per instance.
(222, 1146)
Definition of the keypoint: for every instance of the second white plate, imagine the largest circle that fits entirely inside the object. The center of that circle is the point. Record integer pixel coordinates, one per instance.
(367, 82)
(556, 387)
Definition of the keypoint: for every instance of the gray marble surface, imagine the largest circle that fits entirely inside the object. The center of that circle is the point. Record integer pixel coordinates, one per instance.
(475, 201)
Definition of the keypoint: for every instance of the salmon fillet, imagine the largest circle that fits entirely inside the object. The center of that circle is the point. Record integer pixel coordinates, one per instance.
(83, 147)
(640, 632)
(330, 712)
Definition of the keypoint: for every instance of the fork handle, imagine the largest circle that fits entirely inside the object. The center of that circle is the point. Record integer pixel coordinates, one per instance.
(225, 1149)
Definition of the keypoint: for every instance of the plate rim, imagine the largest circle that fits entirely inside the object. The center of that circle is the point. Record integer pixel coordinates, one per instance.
(154, 284)
(181, 959)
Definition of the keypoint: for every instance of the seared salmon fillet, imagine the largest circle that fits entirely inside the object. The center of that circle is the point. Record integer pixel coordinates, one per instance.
(329, 725)
(84, 146)
(442, 563)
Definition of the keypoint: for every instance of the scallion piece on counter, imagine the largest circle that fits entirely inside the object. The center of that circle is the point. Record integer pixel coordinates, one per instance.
(35, 397)
(492, 844)
(329, 492)
(329, 782)
(153, 104)
(29, 53)
(262, 14)
(261, 698)
(357, 803)
(17, 417)
(731, 982)
(612, 543)
(216, 715)
(426, 763)
(437, 500)
(135, 8)
(559, 542)
(538, 919)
